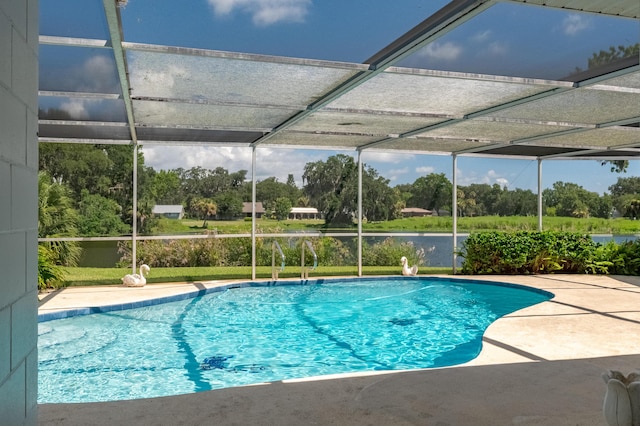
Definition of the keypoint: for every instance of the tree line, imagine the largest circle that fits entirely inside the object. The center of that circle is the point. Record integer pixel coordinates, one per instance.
(93, 184)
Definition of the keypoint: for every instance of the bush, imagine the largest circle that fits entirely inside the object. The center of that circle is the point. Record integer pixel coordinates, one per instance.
(625, 258)
(389, 252)
(237, 252)
(525, 252)
(50, 275)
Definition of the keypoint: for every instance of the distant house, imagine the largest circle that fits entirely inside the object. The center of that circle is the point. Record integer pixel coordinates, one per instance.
(416, 212)
(303, 213)
(168, 211)
(246, 209)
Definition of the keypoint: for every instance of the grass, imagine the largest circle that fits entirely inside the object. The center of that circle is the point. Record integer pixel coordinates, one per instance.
(414, 224)
(190, 226)
(111, 276)
(508, 223)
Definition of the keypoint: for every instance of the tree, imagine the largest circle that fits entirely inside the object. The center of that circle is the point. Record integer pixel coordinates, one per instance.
(519, 202)
(623, 192)
(78, 166)
(632, 209)
(332, 187)
(572, 200)
(431, 192)
(617, 166)
(467, 205)
(203, 208)
(229, 205)
(57, 218)
(106, 170)
(269, 190)
(100, 216)
(165, 187)
(282, 207)
(379, 200)
(486, 197)
(604, 57)
(603, 207)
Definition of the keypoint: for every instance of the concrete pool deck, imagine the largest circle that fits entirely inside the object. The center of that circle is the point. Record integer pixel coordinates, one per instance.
(541, 365)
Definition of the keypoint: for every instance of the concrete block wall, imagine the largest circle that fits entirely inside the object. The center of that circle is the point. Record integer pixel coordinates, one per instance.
(18, 211)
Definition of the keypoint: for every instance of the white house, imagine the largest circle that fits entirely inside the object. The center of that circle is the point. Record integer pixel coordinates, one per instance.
(303, 213)
(169, 211)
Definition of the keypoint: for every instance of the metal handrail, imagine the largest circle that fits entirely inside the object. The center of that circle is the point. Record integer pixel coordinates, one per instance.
(304, 272)
(274, 271)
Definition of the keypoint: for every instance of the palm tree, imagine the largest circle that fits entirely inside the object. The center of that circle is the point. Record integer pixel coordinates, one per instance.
(57, 218)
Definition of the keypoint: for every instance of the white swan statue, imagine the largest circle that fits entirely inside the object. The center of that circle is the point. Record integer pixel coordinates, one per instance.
(136, 280)
(405, 268)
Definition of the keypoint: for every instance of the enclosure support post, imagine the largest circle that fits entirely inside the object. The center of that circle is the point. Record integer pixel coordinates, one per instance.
(454, 211)
(539, 194)
(359, 213)
(114, 24)
(134, 227)
(253, 212)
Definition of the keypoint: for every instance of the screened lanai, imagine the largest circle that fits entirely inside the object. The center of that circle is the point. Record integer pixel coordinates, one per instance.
(108, 77)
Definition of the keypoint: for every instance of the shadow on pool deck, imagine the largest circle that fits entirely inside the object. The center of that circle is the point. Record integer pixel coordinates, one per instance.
(538, 393)
(539, 366)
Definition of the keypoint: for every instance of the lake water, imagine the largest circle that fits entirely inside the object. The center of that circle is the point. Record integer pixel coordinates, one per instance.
(439, 249)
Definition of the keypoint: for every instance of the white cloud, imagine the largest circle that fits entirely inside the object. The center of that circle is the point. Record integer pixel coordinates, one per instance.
(502, 182)
(481, 37)
(425, 170)
(386, 157)
(265, 12)
(497, 48)
(160, 83)
(269, 162)
(98, 69)
(188, 156)
(395, 174)
(447, 51)
(83, 109)
(402, 171)
(467, 177)
(574, 24)
(77, 108)
(96, 74)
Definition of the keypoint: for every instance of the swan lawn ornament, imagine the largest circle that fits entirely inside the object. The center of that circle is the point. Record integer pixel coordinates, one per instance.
(405, 268)
(136, 280)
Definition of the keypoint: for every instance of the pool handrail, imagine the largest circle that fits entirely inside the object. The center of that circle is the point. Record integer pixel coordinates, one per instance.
(304, 272)
(274, 270)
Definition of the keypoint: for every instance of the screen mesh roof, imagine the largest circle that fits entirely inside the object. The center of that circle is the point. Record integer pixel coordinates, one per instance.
(97, 86)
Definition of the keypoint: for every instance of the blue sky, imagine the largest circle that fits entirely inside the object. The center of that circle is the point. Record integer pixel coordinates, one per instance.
(507, 39)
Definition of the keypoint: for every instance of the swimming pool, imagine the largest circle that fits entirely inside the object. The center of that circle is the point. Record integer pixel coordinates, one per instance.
(261, 332)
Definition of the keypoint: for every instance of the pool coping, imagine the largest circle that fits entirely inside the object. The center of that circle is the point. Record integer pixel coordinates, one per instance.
(60, 312)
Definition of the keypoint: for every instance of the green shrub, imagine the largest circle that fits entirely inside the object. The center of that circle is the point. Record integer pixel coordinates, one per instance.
(524, 252)
(237, 252)
(625, 258)
(50, 275)
(389, 252)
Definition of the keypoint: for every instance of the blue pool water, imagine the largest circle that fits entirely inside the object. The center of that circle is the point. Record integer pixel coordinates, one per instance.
(260, 333)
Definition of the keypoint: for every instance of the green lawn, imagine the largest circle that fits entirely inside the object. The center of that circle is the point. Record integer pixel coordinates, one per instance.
(415, 224)
(110, 276)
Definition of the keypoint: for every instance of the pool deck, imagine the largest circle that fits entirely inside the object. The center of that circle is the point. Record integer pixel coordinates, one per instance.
(539, 366)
